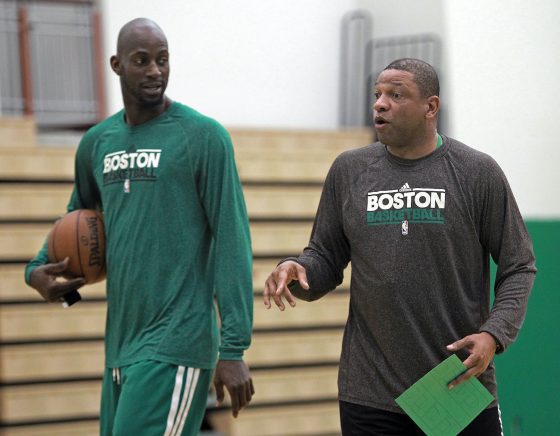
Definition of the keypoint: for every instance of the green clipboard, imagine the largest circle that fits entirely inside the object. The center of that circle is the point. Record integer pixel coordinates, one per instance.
(438, 410)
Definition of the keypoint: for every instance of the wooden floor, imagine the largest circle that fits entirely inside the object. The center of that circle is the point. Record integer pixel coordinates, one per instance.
(51, 359)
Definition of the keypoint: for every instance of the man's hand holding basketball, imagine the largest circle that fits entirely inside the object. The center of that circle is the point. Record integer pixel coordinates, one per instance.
(276, 285)
(44, 280)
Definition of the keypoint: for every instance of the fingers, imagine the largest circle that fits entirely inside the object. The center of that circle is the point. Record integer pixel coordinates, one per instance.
(302, 277)
(56, 295)
(235, 376)
(282, 290)
(461, 343)
(276, 285)
(241, 396)
(481, 351)
(57, 268)
(235, 400)
(269, 289)
(44, 280)
(251, 388)
(471, 371)
(59, 289)
(462, 378)
(475, 366)
(275, 281)
(219, 392)
(287, 295)
(249, 392)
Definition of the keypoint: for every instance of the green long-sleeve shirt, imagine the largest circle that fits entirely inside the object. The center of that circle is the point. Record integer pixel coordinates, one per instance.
(177, 238)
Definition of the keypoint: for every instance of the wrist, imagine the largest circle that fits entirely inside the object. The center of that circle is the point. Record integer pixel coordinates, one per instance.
(499, 348)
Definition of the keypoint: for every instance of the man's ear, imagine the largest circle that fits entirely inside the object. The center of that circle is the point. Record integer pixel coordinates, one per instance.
(432, 106)
(115, 65)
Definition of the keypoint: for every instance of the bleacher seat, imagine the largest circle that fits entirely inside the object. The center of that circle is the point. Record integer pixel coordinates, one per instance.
(51, 359)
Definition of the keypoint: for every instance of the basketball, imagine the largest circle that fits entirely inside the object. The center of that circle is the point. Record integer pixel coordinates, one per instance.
(80, 236)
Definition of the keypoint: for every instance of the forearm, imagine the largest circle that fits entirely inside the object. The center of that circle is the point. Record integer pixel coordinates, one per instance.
(510, 305)
(222, 199)
(506, 238)
(234, 286)
(235, 303)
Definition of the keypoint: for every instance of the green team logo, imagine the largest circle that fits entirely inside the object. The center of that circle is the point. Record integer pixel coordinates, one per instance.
(405, 206)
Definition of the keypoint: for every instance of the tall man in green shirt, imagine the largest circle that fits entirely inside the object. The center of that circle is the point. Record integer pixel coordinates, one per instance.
(177, 241)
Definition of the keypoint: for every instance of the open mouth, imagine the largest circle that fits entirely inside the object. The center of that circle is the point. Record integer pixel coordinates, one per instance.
(153, 87)
(380, 122)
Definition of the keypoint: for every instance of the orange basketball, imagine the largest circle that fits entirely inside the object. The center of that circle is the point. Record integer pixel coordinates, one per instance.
(80, 235)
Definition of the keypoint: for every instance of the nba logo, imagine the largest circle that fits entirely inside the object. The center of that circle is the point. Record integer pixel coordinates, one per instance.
(126, 186)
(404, 227)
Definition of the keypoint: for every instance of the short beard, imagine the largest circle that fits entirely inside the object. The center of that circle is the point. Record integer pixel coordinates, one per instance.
(137, 96)
(151, 103)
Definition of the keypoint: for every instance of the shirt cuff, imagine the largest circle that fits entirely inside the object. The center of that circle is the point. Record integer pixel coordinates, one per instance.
(230, 354)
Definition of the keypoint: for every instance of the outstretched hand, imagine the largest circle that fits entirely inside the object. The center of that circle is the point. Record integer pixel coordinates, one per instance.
(276, 285)
(44, 280)
(482, 347)
(235, 376)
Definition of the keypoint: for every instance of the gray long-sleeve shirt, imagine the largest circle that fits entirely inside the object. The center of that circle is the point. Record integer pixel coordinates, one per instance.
(419, 234)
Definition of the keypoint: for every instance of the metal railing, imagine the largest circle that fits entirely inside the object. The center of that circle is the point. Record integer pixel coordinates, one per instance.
(48, 54)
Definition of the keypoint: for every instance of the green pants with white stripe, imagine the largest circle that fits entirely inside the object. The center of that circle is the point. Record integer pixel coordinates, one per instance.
(151, 398)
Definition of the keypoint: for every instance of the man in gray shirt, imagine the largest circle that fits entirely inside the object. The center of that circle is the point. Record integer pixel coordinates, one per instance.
(419, 215)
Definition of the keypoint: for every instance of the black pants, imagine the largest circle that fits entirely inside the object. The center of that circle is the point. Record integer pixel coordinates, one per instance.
(357, 420)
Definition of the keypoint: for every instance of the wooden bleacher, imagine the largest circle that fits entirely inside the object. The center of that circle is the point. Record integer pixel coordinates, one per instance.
(51, 359)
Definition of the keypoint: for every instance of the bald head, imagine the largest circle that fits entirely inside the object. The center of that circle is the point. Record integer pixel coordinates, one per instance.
(142, 64)
(135, 30)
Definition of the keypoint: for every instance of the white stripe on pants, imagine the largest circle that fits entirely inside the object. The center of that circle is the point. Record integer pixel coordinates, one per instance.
(181, 400)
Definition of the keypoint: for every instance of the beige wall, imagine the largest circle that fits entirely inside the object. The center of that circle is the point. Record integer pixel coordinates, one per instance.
(504, 63)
